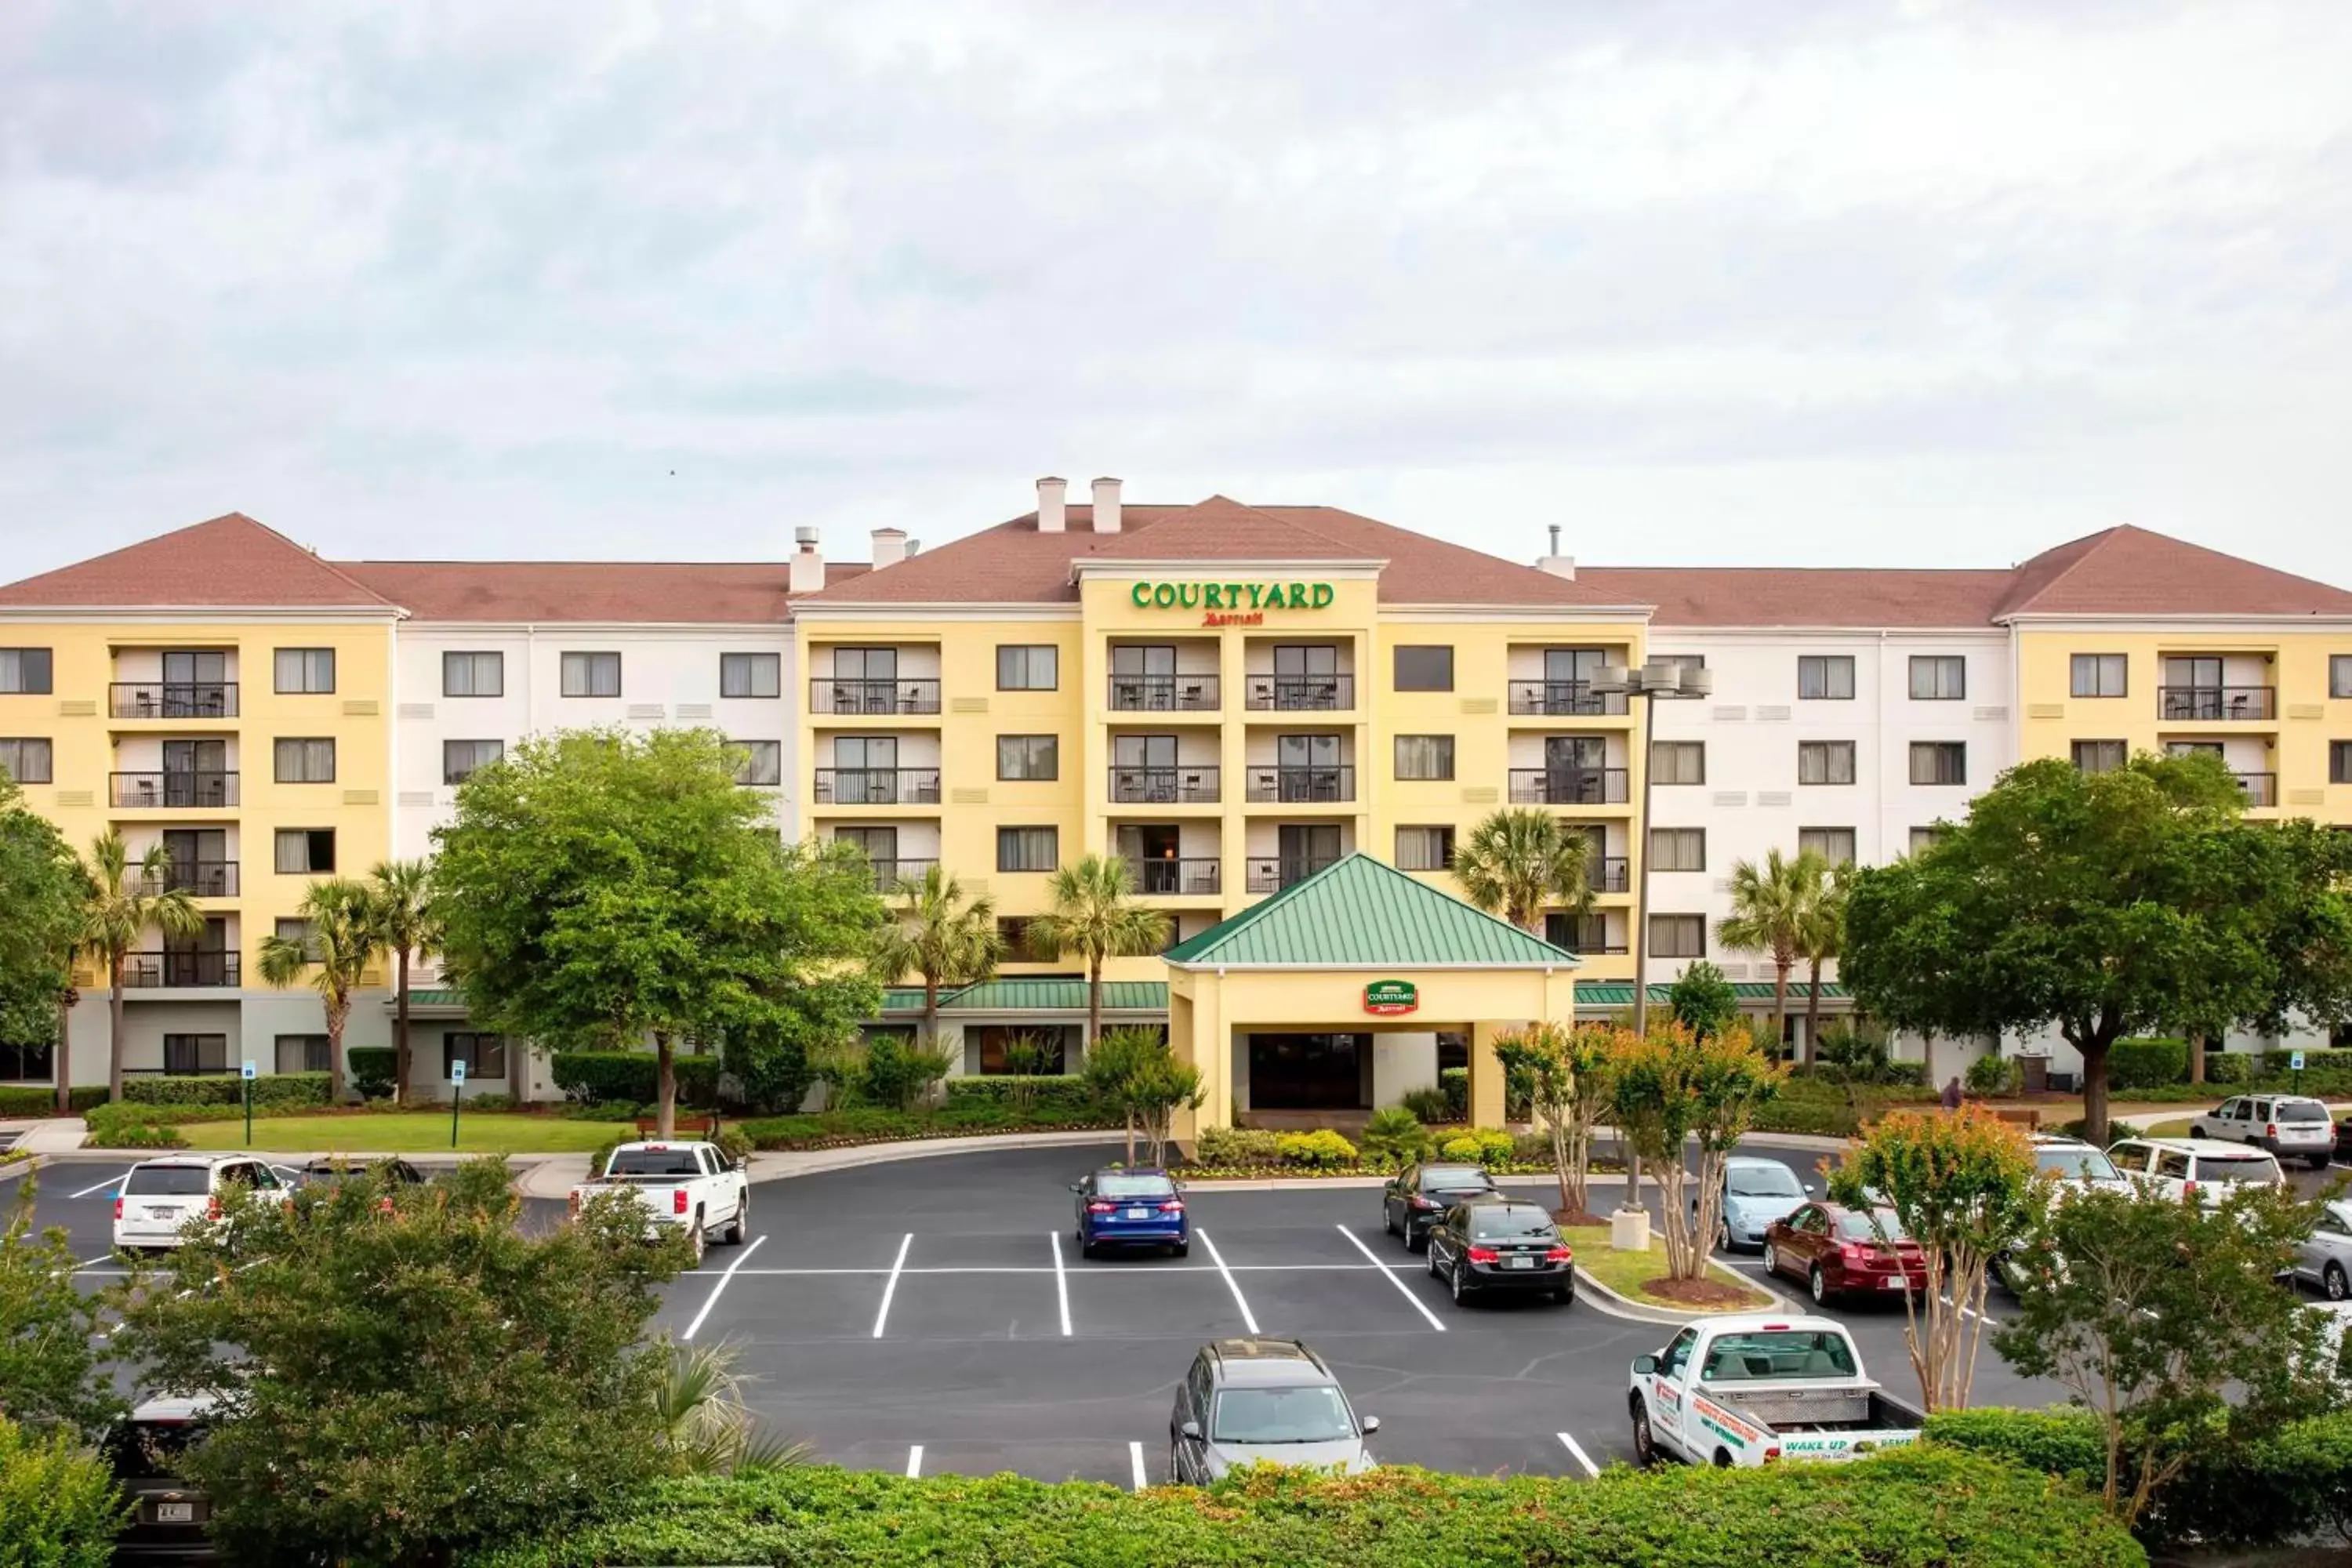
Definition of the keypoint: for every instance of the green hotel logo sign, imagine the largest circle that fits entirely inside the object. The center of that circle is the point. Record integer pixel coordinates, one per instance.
(1386, 999)
(1232, 603)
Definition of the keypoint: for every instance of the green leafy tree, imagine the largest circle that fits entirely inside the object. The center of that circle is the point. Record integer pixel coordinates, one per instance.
(1962, 1186)
(599, 886)
(120, 902)
(941, 935)
(1567, 1071)
(411, 1386)
(1702, 1000)
(1771, 906)
(42, 893)
(1094, 917)
(1133, 1072)
(1519, 861)
(1671, 1091)
(48, 1374)
(401, 891)
(58, 1508)
(341, 938)
(2147, 1310)
(1821, 940)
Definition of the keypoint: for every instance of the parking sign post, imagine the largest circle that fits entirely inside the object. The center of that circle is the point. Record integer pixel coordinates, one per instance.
(457, 1096)
(2294, 1062)
(245, 1072)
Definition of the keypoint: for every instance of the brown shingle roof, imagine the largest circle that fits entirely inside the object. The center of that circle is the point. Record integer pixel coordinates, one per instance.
(617, 592)
(2129, 571)
(1802, 596)
(228, 561)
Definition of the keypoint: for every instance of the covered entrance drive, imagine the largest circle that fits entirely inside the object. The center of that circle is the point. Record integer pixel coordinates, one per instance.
(1332, 996)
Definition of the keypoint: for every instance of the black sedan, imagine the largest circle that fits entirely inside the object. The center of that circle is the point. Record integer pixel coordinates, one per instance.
(1498, 1244)
(1416, 1195)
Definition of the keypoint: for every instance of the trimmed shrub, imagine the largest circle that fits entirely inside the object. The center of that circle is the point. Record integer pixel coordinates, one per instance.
(1996, 1074)
(608, 1111)
(1456, 1083)
(374, 1069)
(1239, 1148)
(1321, 1149)
(31, 1099)
(2325, 1072)
(58, 1508)
(2227, 1066)
(1393, 1135)
(2149, 1063)
(487, 1103)
(227, 1088)
(1061, 1094)
(1430, 1106)
(128, 1134)
(634, 1077)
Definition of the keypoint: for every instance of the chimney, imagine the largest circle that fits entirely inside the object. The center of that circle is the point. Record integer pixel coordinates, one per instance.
(890, 547)
(1556, 563)
(1106, 506)
(808, 566)
(1051, 513)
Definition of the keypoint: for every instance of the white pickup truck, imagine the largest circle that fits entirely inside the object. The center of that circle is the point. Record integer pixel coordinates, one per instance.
(1758, 1388)
(682, 1187)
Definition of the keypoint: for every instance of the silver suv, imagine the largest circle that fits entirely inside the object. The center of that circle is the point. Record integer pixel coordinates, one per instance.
(1248, 1402)
(2292, 1126)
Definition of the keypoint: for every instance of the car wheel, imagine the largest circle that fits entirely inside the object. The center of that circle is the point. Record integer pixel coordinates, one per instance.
(1723, 1235)
(695, 1243)
(1645, 1447)
(1723, 1459)
(1461, 1287)
(2337, 1287)
(2197, 1129)
(741, 1225)
(1415, 1243)
(1183, 1249)
(1564, 1295)
(2318, 1162)
(1175, 1471)
(1434, 1271)
(1388, 1218)
(1819, 1283)
(1771, 1260)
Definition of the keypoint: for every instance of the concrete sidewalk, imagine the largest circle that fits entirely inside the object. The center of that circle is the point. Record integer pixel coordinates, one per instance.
(555, 1176)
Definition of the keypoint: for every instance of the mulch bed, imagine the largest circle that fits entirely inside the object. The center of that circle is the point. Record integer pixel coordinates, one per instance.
(1695, 1292)
(1576, 1216)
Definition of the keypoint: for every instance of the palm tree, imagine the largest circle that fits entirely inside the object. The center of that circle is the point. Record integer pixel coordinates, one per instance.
(123, 901)
(342, 940)
(1823, 939)
(401, 891)
(1769, 907)
(1519, 860)
(941, 937)
(1094, 918)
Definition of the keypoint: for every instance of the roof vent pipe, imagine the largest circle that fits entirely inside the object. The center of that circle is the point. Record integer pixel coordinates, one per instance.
(1556, 563)
(1051, 513)
(808, 566)
(1106, 506)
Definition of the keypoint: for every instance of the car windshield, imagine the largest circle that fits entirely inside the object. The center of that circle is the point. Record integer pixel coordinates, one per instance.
(144, 1450)
(1777, 1354)
(1492, 1224)
(2259, 1168)
(2077, 1164)
(1126, 1187)
(1452, 1178)
(653, 1163)
(1877, 1225)
(1315, 1415)
(167, 1181)
(2301, 1111)
(1764, 1182)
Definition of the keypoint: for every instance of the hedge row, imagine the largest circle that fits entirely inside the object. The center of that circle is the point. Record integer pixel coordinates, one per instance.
(227, 1088)
(632, 1076)
(1828, 1110)
(32, 1100)
(875, 1124)
(1909, 1509)
(375, 1070)
(1062, 1092)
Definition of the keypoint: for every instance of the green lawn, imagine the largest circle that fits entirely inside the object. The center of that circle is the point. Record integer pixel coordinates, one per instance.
(418, 1132)
(1627, 1272)
(2176, 1128)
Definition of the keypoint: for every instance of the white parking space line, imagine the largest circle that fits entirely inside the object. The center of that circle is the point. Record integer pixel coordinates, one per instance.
(723, 1282)
(883, 1316)
(914, 1463)
(1249, 1319)
(1403, 1290)
(1061, 1281)
(1579, 1455)
(101, 1257)
(100, 1188)
(1135, 1457)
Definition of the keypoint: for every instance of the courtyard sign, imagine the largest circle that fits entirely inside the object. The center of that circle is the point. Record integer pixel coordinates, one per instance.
(1232, 603)
(1386, 999)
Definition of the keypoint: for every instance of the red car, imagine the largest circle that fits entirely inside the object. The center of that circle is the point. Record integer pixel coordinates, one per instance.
(1839, 1251)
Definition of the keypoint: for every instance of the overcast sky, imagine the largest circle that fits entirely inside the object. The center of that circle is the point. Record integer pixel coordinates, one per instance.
(1738, 281)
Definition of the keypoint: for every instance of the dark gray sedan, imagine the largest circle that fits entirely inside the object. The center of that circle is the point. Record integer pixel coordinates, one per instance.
(1416, 1195)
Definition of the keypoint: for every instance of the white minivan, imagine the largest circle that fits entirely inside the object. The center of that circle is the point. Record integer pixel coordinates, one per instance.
(2195, 1167)
(159, 1198)
(2292, 1126)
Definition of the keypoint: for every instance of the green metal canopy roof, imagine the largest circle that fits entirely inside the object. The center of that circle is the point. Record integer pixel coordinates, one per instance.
(1042, 994)
(1620, 994)
(1360, 912)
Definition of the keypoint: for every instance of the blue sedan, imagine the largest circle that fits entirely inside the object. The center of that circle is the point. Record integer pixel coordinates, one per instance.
(1131, 1208)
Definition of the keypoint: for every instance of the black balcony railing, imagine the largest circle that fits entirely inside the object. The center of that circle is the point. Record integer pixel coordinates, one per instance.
(836, 694)
(217, 1069)
(2261, 789)
(1301, 693)
(172, 699)
(1567, 786)
(1164, 786)
(1306, 785)
(174, 790)
(1172, 879)
(198, 879)
(878, 786)
(888, 874)
(1272, 873)
(147, 970)
(1611, 874)
(1566, 697)
(2215, 704)
(1164, 693)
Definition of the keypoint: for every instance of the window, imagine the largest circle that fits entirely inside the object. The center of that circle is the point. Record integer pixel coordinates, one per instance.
(1834, 845)
(1679, 761)
(1014, 932)
(2340, 761)
(485, 1056)
(304, 850)
(302, 1053)
(306, 761)
(2339, 674)
(2099, 756)
(23, 671)
(27, 761)
(1825, 676)
(591, 675)
(187, 1054)
(1028, 848)
(1926, 838)
(1034, 757)
(1939, 763)
(1939, 678)
(1425, 757)
(1426, 668)
(1825, 762)
(751, 675)
(460, 758)
(1027, 667)
(1677, 936)
(1424, 849)
(1579, 933)
(473, 675)
(290, 928)
(762, 764)
(1678, 849)
(2098, 675)
(307, 669)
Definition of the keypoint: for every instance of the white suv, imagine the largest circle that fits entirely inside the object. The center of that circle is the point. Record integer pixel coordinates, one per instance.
(2292, 1126)
(159, 1198)
(2198, 1167)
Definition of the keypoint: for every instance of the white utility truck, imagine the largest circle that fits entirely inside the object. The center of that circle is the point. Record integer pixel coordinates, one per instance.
(1758, 1388)
(683, 1187)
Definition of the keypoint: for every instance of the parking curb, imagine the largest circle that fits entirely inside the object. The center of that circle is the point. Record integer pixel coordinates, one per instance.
(1617, 1306)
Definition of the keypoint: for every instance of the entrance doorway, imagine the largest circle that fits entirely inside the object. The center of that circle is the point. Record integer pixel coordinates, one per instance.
(1308, 1072)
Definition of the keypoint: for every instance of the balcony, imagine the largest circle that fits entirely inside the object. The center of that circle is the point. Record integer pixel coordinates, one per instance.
(1165, 878)
(1611, 874)
(1563, 697)
(146, 971)
(171, 698)
(2261, 789)
(878, 786)
(1164, 786)
(1272, 873)
(828, 694)
(888, 874)
(1567, 786)
(1300, 693)
(174, 791)
(1163, 694)
(1302, 786)
(2215, 704)
(198, 879)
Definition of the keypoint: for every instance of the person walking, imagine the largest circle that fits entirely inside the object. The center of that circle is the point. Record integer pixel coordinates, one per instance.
(1952, 1093)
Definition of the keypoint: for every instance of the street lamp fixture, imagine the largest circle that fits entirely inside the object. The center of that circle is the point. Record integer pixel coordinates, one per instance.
(1661, 678)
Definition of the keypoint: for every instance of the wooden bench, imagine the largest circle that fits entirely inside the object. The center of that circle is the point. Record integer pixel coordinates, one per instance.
(2026, 1116)
(647, 1126)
